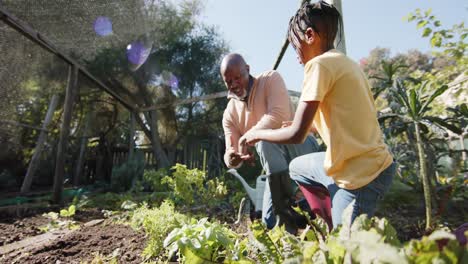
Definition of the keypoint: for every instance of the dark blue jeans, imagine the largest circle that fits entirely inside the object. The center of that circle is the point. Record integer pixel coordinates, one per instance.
(308, 170)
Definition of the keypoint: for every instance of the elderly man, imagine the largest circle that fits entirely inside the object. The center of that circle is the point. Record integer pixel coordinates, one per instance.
(261, 102)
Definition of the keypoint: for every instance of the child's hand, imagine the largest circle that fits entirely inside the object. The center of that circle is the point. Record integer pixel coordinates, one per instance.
(248, 139)
(249, 158)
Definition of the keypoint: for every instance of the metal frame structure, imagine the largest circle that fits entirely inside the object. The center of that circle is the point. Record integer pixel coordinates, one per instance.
(43, 41)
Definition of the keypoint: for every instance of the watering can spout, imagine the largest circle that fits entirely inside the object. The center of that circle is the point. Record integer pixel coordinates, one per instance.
(251, 192)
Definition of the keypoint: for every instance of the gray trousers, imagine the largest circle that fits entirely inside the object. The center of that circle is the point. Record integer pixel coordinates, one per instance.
(275, 159)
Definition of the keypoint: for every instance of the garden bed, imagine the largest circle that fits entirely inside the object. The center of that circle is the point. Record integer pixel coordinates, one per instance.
(106, 240)
(13, 229)
(85, 244)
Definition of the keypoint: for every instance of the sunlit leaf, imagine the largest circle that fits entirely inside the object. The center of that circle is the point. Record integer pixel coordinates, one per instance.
(427, 32)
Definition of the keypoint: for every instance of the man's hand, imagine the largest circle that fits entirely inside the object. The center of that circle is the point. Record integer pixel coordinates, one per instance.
(286, 123)
(234, 157)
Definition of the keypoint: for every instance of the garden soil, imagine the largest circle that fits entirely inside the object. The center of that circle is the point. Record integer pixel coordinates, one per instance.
(82, 245)
(13, 230)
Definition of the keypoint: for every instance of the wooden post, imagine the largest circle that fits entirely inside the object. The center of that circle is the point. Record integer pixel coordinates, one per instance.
(159, 155)
(284, 47)
(28, 179)
(64, 133)
(83, 144)
(131, 145)
(340, 43)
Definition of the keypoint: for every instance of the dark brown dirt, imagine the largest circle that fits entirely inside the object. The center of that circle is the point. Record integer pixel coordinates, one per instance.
(409, 219)
(15, 229)
(83, 244)
(84, 216)
(12, 230)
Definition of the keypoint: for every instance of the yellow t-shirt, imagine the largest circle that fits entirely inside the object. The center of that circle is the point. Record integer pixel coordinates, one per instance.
(346, 120)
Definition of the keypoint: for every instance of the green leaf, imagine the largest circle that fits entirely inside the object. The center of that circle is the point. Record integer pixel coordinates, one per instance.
(336, 251)
(400, 93)
(427, 250)
(72, 210)
(436, 40)
(309, 249)
(319, 257)
(428, 12)
(68, 212)
(433, 96)
(261, 236)
(413, 102)
(441, 234)
(464, 109)
(63, 213)
(421, 23)
(388, 231)
(441, 122)
(427, 32)
(128, 205)
(367, 247)
(409, 18)
(195, 243)
(191, 257)
(52, 215)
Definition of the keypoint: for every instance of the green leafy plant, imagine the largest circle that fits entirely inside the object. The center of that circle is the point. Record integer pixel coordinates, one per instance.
(190, 185)
(157, 223)
(440, 37)
(153, 178)
(416, 103)
(109, 200)
(428, 249)
(129, 205)
(366, 240)
(185, 183)
(214, 191)
(103, 259)
(276, 245)
(60, 220)
(68, 212)
(204, 242)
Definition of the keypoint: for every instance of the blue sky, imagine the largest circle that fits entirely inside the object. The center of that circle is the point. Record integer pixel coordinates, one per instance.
(257, 28)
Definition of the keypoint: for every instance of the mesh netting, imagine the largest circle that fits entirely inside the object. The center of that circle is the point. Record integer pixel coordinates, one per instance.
(131, 55)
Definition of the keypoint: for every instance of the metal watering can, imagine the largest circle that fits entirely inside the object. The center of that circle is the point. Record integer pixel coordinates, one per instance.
(256, 195)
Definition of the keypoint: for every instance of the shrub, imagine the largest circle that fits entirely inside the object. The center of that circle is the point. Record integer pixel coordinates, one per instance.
(157, 223)
(152, 179)
(126, 174)
(7, 179)
(190, 185)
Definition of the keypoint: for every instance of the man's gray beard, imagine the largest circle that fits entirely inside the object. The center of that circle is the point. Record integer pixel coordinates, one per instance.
(242, 97)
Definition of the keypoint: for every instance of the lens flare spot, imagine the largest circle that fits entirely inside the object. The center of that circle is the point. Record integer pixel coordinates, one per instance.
(137, 53)
(103, 26)
(173, 82)
(167, 78)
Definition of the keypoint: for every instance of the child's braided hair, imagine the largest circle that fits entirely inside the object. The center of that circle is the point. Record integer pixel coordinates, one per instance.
(322, 17)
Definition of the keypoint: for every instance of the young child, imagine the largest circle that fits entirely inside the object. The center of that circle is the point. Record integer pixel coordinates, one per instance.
(357, 167)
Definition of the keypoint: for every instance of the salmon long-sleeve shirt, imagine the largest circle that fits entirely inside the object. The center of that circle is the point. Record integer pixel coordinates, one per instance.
(266, 107)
